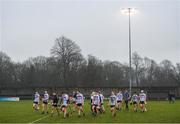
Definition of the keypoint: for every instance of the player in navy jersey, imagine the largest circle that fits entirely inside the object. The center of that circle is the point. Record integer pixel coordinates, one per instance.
(126, 97)
(54, 103)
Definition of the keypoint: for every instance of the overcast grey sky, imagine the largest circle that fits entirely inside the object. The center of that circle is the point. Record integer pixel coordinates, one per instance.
(28, 28)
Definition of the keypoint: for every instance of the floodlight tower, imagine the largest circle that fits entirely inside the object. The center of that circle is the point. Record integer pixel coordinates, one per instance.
(129, 12)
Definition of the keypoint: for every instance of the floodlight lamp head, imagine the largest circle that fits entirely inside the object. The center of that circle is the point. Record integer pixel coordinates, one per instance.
(129, 11)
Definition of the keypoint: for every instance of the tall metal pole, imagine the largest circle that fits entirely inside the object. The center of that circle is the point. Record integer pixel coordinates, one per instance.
(130, 73)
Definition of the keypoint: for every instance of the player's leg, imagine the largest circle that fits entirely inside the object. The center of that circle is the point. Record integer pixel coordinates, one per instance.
(34, 106)
(102, 107)
(71, 109)
(173, 99)
(52, 111)
(120, 105)
(117, 105)
(170, 98)
(43, 108)
(143, 107)
(111, 109)
(135, 106)
(64, 111)
(74, 106)
(82, 110)
(140, 105)
(38, 106)
(54, 107)
(97, 109)
(126, 102)
(114, 111)
(57, 110)
(93, 109)
(46, 108)
(79, 110)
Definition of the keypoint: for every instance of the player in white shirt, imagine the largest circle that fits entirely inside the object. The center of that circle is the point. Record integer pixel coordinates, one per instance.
(80, 103)
(102, 110)
(36, 101)
(95, 103)
(142, 99)
(91, 97)
(45, 102)
(134, 101)
(119, 96)
(112, 103)
(64, 104)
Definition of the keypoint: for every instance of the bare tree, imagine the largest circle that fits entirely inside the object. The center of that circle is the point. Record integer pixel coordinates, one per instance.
(68, 68)
(138, 63)
(168, 72)
(6, 70)
(114, 73)
(65, 51)
(150, 71)
(178, 73)
(94, 71)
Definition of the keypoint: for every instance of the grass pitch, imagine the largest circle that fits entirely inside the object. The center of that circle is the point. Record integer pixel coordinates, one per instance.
(158, 112)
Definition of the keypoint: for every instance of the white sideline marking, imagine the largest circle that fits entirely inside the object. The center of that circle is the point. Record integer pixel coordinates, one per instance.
(39, 119)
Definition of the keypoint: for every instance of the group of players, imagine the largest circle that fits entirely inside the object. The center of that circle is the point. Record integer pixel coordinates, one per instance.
(59, 103)
(62, 102)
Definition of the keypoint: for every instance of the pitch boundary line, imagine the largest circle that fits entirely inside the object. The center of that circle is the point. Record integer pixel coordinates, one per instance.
(39, 119)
